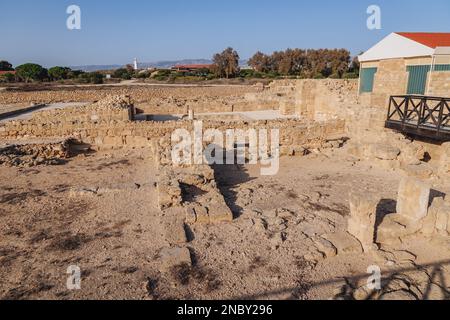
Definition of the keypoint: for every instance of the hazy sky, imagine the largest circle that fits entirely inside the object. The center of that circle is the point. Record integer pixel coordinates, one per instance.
(114, 32)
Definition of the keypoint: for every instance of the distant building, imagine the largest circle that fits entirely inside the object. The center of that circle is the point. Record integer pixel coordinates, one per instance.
(191, 67)
(6, 72)
(406, 63)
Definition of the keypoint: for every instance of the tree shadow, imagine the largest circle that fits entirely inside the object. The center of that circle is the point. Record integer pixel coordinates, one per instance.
(348, 290)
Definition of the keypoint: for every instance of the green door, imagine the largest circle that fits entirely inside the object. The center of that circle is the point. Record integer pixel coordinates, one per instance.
(367, 76)
(417, 81)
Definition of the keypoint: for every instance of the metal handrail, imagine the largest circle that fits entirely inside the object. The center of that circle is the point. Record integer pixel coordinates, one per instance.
(419, 112)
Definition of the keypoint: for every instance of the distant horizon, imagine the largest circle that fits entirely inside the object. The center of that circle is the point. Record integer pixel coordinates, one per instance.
(116, 32)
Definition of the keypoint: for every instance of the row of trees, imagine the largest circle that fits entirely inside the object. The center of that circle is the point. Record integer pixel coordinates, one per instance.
(322, 63)
(33, 72)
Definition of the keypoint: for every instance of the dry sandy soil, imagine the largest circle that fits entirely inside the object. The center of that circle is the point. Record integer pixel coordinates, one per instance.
(99, 211)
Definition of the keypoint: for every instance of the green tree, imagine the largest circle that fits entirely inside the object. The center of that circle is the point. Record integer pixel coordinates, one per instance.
(96, 78)
(123, 73)
(31, 72)
(59, 73)
(74, 74)
(5, 66)
(226, 63)
(260, 62)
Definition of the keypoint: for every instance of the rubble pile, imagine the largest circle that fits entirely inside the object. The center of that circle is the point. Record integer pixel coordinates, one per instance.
(35, 154)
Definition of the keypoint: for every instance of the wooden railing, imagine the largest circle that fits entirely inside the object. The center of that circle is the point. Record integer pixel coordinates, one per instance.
(420, 115)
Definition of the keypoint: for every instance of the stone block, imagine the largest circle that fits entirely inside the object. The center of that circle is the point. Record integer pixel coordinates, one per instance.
(429, 222)
(201, 214)
(394, 227)
(390, 231)
(344, 242)
(325, 247)
(174, 227)
(363, 214)
(420, 171)
(413, 199)
(441, 210)
(191, 217)
(169, 194)
(219, 212)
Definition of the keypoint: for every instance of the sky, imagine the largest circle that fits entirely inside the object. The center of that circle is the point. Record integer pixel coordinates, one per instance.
(117, 31)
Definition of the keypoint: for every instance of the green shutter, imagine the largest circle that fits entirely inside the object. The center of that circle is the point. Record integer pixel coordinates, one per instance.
(367, 78)
(442, 67)
(417, 80)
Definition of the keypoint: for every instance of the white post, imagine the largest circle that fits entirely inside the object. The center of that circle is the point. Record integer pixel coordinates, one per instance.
(429, 74)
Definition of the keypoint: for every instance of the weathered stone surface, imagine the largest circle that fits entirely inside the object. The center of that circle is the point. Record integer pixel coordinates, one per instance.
(442, 211)
(429, 222)
(413, 199)
(363, 214)
(344, 242)
(169, 191)
(438, 218)
(174, 228)
(171, 257)
(325, 247)
(395, 226)
(383, 151)
(191, 216)
(420, 171)
(400, 295)
(219, 212)
(201, 214)
(444, 165)
(82, 192)
(390, 231)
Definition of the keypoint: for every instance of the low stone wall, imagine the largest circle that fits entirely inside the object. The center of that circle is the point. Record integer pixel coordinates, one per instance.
(116, 108)
(115, 133)
(139, 94)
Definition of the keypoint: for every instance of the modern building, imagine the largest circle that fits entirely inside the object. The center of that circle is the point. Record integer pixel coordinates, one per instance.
(5, 72)
(406, 63)
(191, 67)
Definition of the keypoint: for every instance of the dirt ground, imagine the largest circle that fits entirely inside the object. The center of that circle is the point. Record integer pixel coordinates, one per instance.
(99, 212)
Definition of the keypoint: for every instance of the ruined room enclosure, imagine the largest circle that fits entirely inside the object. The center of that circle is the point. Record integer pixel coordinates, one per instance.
(102, 213)
(140, 228)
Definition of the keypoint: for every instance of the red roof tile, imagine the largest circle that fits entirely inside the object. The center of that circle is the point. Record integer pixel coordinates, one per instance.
(192, 66)
(5, 72)
(429, 39)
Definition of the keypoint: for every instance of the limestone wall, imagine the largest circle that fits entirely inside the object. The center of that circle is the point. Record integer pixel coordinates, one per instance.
(111, 134)
(139, 94)
(313, 99)
(390, 79)
(439, 84)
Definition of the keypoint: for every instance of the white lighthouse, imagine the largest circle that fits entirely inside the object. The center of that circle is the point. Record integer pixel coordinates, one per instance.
(135, 64)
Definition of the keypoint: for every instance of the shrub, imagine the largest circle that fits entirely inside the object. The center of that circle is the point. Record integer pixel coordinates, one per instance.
(7, 78)
(123, 74)
(350, 75)
(31, 72)
(58, 73)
